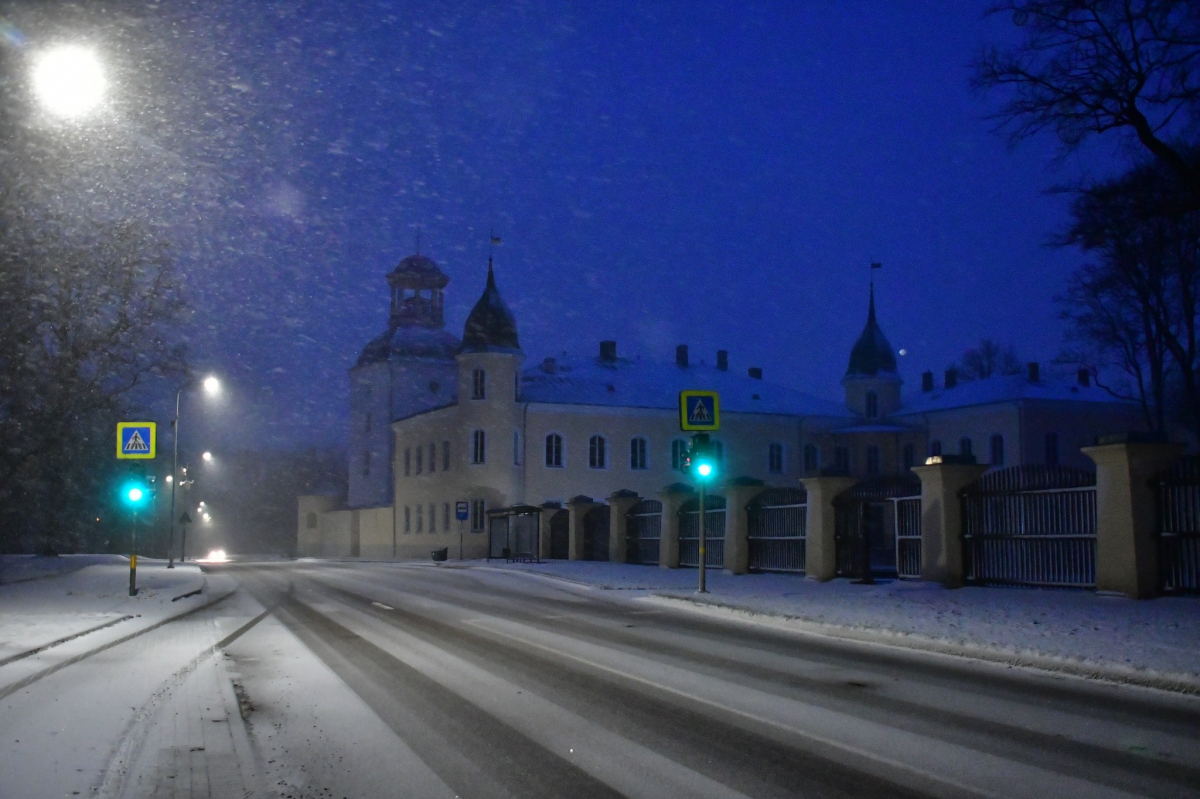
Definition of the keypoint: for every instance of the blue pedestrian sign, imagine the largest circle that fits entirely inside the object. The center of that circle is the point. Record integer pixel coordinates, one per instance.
(460, 511)
(699, 410)
(137, 440)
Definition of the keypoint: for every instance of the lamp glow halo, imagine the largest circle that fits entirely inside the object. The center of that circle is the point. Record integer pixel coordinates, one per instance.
(69, 80)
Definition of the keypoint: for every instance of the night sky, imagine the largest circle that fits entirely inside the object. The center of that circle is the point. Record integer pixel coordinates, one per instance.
(719, 175)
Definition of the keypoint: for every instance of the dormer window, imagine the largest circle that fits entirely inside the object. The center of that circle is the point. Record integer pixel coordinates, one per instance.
(478, 384)
(872, 405)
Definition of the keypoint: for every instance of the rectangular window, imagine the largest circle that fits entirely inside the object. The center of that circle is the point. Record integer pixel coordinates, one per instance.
(407, 519)
(775, 458)
(637, 453)
(478, 384)
(679, 450)
(407, 462)
(910, 456)
(935, 449)
(554, 450)
(1052, 449)
(516, 448)
(964, 447)
(597, 457)
(872, 461)
(420, 518)
(420, 459)
(432, 457)
(841, 459)
(812, 458)
(478, 447)
(432, 518)
(445, 517)
(478, 515)
(445, 456)
(997, 449)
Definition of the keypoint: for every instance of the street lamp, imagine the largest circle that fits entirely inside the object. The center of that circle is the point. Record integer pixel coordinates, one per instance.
(211, 387)
(69, 80)
(208, 457)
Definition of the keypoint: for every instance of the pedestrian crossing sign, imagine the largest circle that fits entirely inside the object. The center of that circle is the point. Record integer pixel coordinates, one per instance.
(699, 410)
(137, 440)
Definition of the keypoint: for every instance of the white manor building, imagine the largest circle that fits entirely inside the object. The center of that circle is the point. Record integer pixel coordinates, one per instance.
(436, 420)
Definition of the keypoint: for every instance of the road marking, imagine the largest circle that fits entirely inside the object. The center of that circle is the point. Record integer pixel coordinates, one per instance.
(381, 605)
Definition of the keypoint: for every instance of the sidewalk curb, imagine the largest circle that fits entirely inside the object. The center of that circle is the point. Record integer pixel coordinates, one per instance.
(1161, 681)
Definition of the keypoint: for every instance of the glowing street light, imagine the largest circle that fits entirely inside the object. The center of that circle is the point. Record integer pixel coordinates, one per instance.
(211, 387)
(208, 457)
(69, 80)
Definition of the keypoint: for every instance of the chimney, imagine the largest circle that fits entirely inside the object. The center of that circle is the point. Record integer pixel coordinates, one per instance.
(681, 358)
(608, 351)
(1085, 378)
(723, 360)
(951, 378)
(755, 372)
(927, 382)
(1035, 372)
(548, 365)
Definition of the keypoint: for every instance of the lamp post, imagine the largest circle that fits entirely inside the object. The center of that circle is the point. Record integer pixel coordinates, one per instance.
(211, 387)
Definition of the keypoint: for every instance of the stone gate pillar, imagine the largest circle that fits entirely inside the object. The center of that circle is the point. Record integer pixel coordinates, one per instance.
(941, 519)
(738, 494)
(618, 526)
(820, 548)
(672, 498)
(1126, 539)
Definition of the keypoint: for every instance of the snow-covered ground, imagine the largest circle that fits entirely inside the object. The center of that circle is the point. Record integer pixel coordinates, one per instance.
(1160, 635)
(19, 568)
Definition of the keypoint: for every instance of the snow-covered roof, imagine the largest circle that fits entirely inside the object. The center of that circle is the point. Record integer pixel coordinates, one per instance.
(654, 384)
(1001, 388)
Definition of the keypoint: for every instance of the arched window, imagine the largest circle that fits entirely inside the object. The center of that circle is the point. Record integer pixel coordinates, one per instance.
(775, 457)
(996, 445)
(872, 405)
(1052, 449)
(597, 453)
(935, 449)
(679, 450)
(637, 453)
(872, 460)
(964, 447)
(812, 458)
(554, 450)
(478, 384)
(478, 447)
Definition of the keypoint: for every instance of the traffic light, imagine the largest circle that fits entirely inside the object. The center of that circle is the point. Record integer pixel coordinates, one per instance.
(135, 493)
(701, 460)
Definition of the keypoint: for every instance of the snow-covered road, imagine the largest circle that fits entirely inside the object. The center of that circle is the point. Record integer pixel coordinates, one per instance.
(371, 680)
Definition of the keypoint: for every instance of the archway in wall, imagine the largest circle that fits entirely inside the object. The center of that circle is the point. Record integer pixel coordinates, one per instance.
(560, 535)
(595, 533)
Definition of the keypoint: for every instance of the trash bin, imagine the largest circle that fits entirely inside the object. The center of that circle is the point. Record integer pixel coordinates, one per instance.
(440, 555)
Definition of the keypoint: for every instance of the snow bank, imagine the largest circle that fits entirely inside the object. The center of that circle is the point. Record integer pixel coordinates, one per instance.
(1160, 635)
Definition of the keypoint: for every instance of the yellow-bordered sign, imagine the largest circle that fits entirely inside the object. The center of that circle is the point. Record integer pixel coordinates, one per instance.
(699, 410)
(137, 440)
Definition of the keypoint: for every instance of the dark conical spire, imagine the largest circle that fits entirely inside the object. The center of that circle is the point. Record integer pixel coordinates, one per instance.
(872, 354)
(490, 325)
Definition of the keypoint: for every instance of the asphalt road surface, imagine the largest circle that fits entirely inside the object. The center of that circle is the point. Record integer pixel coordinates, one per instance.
(444, 681)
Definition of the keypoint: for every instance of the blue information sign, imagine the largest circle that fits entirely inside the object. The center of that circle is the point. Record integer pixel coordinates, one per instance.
(460, 511)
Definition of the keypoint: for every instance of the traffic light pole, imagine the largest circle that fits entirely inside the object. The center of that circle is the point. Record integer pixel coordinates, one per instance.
(703, 589)
(133, 558)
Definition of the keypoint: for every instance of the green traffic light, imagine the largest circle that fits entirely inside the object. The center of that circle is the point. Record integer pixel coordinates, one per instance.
(135, 495)
(704, 470)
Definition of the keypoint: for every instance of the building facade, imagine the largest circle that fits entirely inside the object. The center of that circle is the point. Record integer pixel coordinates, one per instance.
(438, 421)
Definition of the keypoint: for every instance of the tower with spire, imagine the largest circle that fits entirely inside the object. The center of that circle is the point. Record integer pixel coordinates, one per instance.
(872, 382)
(407, 369)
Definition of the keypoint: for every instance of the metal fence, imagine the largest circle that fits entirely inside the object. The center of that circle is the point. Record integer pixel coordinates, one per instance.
(643, 532)
(714, 532)
(907, 514)
(778, 530)
(1031, 525)
(1178, 491)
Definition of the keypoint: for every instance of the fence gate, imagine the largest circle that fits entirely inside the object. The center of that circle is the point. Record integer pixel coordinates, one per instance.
(595, 533)
(871, 514)
(714, 532)
(1178, 491)
(560, 534)
(907, 513)
(1031, 525)
(643, 532)
(778, 530)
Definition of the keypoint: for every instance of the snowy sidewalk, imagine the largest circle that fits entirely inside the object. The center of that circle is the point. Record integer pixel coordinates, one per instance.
(1151, 637)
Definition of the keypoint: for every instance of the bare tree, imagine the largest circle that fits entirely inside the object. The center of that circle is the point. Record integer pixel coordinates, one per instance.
(1137, 302)
(989, 358)
(1091, 66)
